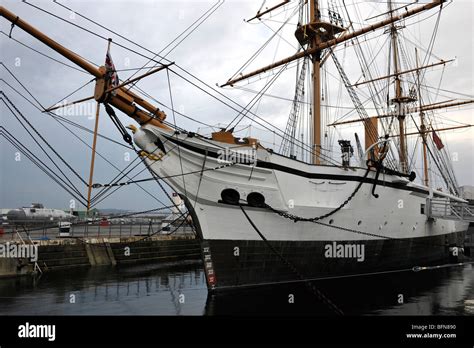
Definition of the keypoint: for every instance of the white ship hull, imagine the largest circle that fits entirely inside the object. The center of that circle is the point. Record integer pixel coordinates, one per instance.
(304, 190)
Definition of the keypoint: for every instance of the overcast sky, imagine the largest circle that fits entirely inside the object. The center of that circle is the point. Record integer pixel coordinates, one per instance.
(214, 52)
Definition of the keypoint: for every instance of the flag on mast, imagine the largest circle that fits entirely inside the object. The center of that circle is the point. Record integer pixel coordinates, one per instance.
(437, 141)
(111, 71)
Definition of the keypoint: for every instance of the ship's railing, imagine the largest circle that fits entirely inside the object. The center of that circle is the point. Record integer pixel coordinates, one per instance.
(446, 209)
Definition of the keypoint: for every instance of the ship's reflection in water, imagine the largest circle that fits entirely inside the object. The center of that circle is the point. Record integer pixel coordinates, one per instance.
(180, 290)
(440, 292)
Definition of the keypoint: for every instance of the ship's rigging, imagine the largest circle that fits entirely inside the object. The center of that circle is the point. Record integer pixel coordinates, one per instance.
(300, 137)
(407, 92)
(334, 198)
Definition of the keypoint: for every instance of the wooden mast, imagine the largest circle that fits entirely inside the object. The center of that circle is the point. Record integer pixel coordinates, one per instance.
(316, 58)
(94, 143)
(398, 96)
(422, 126)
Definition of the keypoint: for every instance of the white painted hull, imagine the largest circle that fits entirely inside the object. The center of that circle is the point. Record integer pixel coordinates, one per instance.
(392, 229)
(397, 213)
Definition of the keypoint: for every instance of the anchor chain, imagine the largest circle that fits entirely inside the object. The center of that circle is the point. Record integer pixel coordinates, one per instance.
(296, 218)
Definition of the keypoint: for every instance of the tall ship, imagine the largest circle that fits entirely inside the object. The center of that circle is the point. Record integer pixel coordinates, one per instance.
(315, 206)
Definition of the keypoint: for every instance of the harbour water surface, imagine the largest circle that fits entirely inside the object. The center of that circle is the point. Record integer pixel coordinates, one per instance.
(180, 289)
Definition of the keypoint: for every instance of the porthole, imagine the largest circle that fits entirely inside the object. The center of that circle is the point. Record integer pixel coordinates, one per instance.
(256, 199)
(230, 196)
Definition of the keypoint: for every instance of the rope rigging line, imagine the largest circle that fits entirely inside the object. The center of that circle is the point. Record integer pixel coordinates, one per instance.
(179, 67)
(358, 105)
(45, 55)
(107, 29)
(174, 121)
(450, 176)
(40, 164)
(287, 145)
(444, 158)
(365, 67)
(134, 51)
(259, 95)
(256, 98)
(302, 101)
(99, 197)
(149, 67)
(23, 86)
(164, 177)
(43, 166)
(443, 164)
(43, 139)
(154, 175)
(122, 173)
(61, 119)
(201, 175)
(432, 40)
(122, 130)
(263, 122)
(204, 18)
(89, 31)
(412, 269)
(171, 109)
(118, 70)
(280, 36)
(181, 114)
(75, 91)
(142, 47)
(471, 96)
(103, 194)
(159, 182)
(265, 44)
(268, 78)
(374, 95)
(111, 164)
(355, 98)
